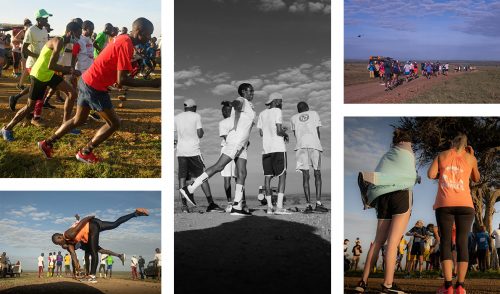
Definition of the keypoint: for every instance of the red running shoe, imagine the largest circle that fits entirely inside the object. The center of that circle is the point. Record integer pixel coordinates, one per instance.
(89, 158)
(443, 290)
(460, 290)
(46, 149)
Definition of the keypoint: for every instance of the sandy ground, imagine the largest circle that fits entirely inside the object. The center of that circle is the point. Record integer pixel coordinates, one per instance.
(29, 283)
(423, 286)
(252, 254)
(374, 92)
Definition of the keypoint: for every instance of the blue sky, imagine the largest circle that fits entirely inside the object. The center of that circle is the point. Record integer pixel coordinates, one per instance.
(28, 220)
(118, 13)
(277, 45)
(365, 141)
(430, 29)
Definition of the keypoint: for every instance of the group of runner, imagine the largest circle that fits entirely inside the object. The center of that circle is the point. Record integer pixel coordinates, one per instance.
(389, 190)
(234, 130)
(82, 67)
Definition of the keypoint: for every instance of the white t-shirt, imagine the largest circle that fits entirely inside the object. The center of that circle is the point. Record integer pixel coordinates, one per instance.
(408, 67)
(103, 258)
(186, 126)
(267, 121)
(225, 126)
(133, 261)
(85, 54)
(37, 38)
(158, 259)
(496, 234)
(65, 57)
(245, 120)
(40, 260)
(304, 124)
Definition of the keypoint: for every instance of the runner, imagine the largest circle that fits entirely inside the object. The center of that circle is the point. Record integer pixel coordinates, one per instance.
(40, 265)
(19, 38)
(102, 265)
(59, 261)
(274, 160)
(101, 40)
(229, 170)
(356, 254)
(305, 127)
(109, 263)
(111, 67)
(235, 149)
(85, 235)
(408, 70)
(454, 168)
(42, 76)
(419, 234)
(391, 194)
(189, 131)
(388, 75)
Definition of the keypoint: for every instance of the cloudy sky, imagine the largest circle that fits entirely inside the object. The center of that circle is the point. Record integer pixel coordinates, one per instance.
(365, 141)
(277, 45)
(28, 220)
(429, 29)
(118, 13)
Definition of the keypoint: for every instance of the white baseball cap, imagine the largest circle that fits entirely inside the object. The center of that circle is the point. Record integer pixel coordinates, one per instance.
(274, 96)
(189, 103)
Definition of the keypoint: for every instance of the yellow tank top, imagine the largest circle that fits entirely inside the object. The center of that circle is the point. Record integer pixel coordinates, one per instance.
(40, 69)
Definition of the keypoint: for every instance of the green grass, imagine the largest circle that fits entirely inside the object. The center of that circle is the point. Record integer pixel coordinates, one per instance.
(356, 73)
(126, 155)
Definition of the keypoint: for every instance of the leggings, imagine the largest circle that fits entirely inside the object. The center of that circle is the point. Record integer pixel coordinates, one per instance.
(462, 217)
(96, 226)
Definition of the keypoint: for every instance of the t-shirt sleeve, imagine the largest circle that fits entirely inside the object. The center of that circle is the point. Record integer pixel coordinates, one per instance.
(259, 121)
(125, 51)
(318, 120)
(27, 37)
(279, 116)
(76, 49)
(198, 122)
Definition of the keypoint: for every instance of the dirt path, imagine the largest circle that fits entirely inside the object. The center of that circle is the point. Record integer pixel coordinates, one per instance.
(423, 286)
(374, 92)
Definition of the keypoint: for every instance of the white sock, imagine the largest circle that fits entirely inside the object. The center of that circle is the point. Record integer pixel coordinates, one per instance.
(280, 200)
(269, 200)
(199, 180)
(238, 194)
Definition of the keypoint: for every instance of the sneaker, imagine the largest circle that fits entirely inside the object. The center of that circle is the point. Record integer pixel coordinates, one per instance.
(187, 195)
(320, 208)
(46, 149)
(47, 105)
(241, 212)
(212, 207)
(460, 290)
(8, 135)
(282, 211)
(122, 258)
(361, 287)
(87, 158)
(92, 280)
(443, 290)
(95, 116)
(393, 290)
(228, 207)
(141, 212)
(38, 122)
(270, 210)
(12, 102)
(185, 209)
(75, 132)
(309, 209)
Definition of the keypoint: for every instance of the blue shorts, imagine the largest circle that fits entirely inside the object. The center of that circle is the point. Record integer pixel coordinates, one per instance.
(92, 98)
(110, 267)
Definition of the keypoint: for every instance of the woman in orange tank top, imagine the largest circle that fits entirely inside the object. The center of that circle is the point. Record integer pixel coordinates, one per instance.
(454, 168)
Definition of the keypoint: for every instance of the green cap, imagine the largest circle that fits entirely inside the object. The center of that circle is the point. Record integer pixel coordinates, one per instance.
(42, 13)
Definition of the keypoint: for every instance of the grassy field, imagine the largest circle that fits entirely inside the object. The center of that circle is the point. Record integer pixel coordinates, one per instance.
(134, 151)
(356, 73)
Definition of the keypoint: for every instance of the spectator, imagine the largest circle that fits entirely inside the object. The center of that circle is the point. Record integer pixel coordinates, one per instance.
(141, 266)
(158, 262)
(356, 254)
(133, 267)
(67, 262)
(40, 265)
(496, 235)
(109, 262)
(483, 240)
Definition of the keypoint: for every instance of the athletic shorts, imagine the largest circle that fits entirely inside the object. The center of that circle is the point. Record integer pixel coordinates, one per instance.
(92, 98)
(2, 52)
(59, 263)
(38, 88)
(417, 249)
(110, 267)
(274, 163)
(388, 75)
(393, 203)
(308, 157)
(235, 151)
(190, 166)
(229, 170)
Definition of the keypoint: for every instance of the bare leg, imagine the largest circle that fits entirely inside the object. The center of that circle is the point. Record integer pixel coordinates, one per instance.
(70, 102)
(282, 183)
(206, 190)
(21, 114)
(305, 185)
(380, 238)
(227, 188)
(182, 183)
(396, 229)
(317, 183)
(80, 117)
(112, 124)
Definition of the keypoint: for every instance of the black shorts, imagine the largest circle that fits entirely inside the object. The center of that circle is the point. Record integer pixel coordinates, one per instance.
(38, 88)
(190, 166)
(393, 203)
(417, 249)
(274, 164)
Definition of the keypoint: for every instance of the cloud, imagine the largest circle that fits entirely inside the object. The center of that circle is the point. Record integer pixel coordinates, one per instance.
(194, 75)
(224, 89)
(361, 153)
(272, 5)
(300, 6)
(29, 211)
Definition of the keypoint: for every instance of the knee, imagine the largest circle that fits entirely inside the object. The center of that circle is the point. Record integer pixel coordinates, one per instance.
(305, 176)
(317, 174)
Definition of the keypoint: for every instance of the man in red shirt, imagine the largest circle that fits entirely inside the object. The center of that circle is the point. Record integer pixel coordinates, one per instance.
(110, 68)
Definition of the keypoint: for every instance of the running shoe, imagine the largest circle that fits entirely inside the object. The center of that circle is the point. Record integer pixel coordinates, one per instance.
(187, 195)
(8, 135)
(185, 209)
(228, 207)
(92, 280)
(241, 212)
(75, 132)
(309, 209)
(47, 105)
(270, 210)
(320, 208)
(87, 158)
(282, 211)
(95, 116)
(141, 212)
(38, 122)
(392, 290)
(443, 290)
(361, 287)
(212, 207)
(460, 290)
(122, 258)
(12, 102)
(46, 149)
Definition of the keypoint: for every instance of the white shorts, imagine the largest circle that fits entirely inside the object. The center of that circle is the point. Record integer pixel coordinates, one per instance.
(235, 150)
(229, 170)
(308, 157)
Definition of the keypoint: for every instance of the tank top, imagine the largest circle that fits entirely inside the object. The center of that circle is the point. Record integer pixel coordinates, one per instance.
(453, 186)
(83, 234)
(40, 69)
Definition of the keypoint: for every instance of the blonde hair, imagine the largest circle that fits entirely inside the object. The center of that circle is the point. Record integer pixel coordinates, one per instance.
(460, 141)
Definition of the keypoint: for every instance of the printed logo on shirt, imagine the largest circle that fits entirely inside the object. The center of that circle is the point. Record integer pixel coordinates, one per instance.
(304, 117)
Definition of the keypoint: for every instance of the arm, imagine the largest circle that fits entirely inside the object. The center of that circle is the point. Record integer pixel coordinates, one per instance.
(54, 58)
(475, 171)
(74, 258)
(261, 133)
(96, 46)
(319, 135)
(432, 173)
(72, 232)
(125, 80)
(27, 52)
(200, 133)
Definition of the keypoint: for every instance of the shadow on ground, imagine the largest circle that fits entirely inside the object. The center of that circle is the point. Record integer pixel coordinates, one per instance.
(252, 255)
(60, 287)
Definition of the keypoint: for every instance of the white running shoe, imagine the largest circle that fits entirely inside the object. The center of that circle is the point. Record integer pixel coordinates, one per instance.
(282, 211)
(270, 210)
